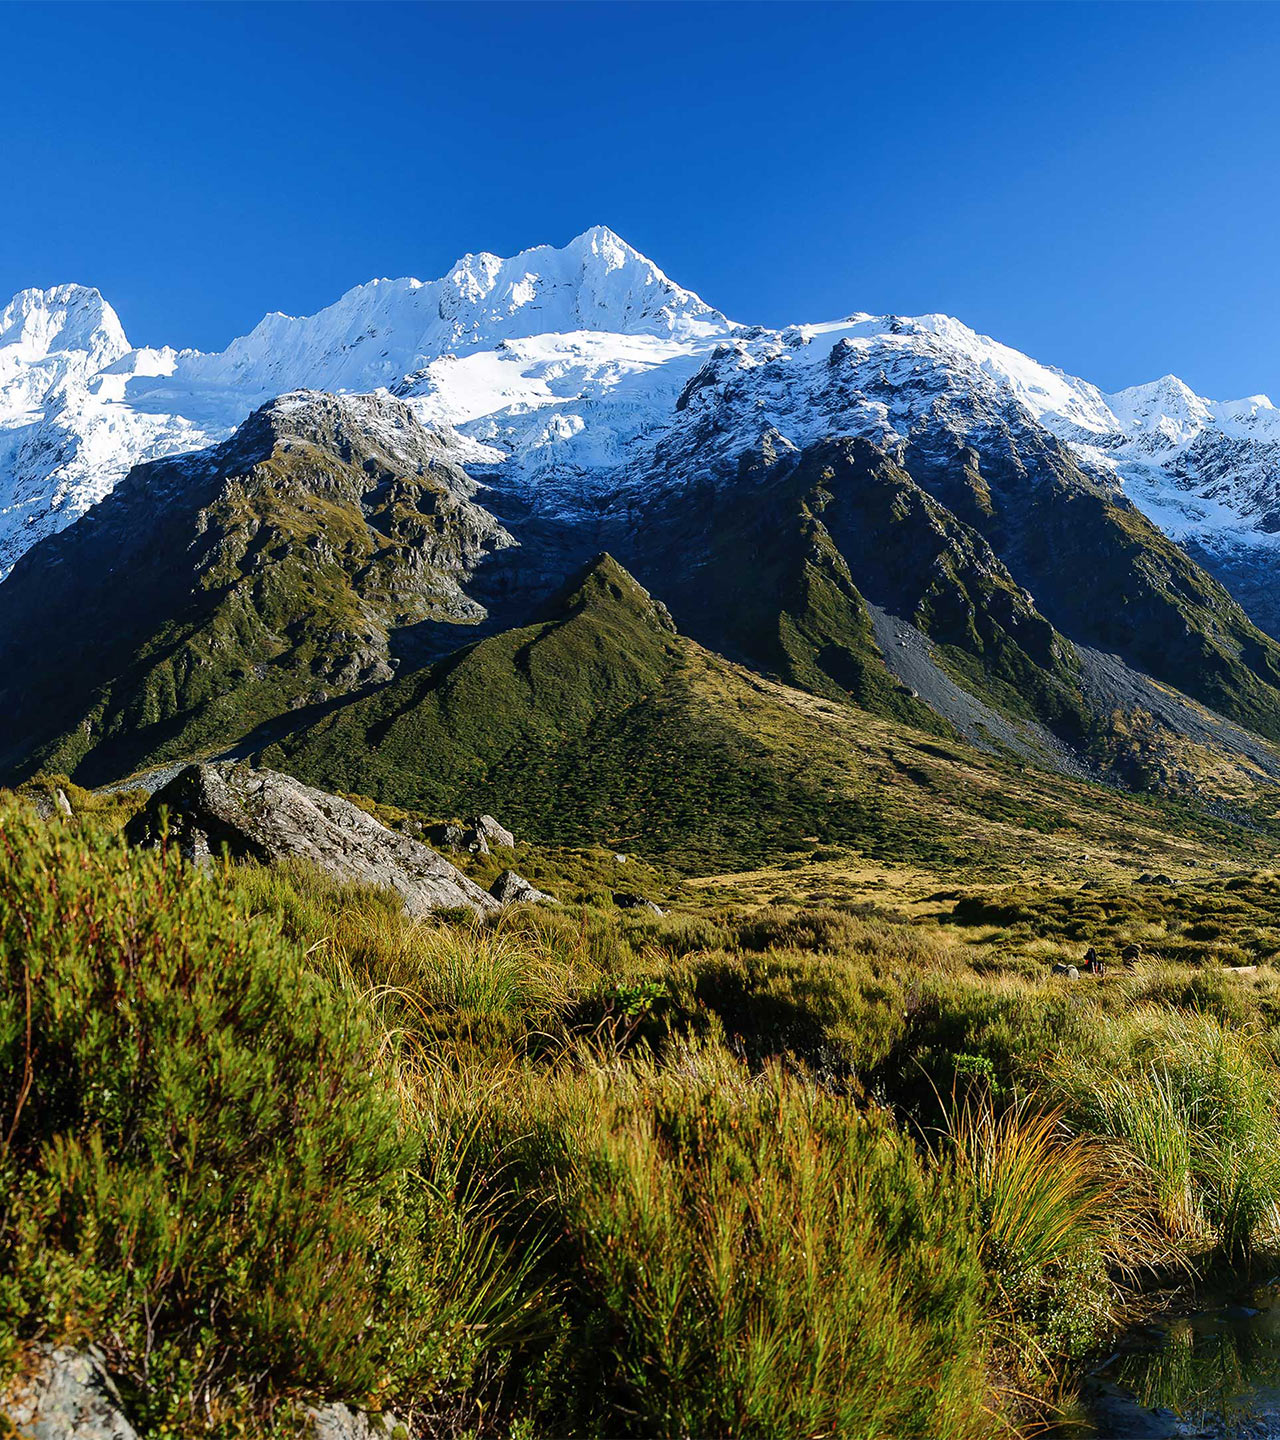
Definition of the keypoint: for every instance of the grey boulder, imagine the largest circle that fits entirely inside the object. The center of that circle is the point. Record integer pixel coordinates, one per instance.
(265, 816)
(486, 828)
(475, 835)
(63, 1394)
(340, 1422)
(512, 889)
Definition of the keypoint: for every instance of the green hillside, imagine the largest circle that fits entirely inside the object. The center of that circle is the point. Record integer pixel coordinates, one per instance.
(601, 725)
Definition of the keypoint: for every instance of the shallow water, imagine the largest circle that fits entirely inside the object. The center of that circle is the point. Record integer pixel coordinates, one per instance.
(1213, 1374)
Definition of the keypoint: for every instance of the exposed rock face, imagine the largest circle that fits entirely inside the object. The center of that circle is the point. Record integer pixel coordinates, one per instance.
(449, 836)
(64, 1394)
(488, 830)
(474, 835)
(512, 889)
(264, 816)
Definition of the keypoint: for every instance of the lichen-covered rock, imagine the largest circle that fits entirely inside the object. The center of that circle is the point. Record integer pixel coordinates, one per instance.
(512, 889)
(340, 1422)
(63, 1394)
(265, 816)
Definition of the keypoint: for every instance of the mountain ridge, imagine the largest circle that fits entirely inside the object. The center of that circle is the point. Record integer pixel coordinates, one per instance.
(573, 372)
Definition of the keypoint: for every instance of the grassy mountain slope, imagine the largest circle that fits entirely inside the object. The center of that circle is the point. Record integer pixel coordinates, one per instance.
(213, 592)
(250, 598)
(600, 724)
(789, 577)
(1102, 572)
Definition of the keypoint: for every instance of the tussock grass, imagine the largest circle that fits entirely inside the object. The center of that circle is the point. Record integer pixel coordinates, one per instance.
(1196, 1102)
(1042, 1193)
(573, 1171)
(745, 1254)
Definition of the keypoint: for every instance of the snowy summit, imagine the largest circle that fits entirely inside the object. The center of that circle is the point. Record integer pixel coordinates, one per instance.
(583, 373)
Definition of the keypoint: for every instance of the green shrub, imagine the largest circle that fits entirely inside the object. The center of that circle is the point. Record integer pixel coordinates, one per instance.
(205, 1167)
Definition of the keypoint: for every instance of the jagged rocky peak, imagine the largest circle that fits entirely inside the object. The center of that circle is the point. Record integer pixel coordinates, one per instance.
(362, 429)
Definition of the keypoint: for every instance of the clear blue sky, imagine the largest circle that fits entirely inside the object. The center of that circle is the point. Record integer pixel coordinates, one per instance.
(1098, 185)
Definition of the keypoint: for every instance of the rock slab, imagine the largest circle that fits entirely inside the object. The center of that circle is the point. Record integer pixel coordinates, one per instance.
(265, 816)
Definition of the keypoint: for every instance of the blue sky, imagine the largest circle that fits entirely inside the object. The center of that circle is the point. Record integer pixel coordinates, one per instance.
(1095, 184)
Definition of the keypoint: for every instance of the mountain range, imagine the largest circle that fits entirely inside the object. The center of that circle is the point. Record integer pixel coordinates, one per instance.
(574, 371)
(282, 547)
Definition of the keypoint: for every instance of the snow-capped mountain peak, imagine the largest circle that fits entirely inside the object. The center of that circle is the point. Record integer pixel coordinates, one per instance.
(383, 330)
(1160, 414)
(71, 320)
(66, 433)
(582, 374)
(79, 407)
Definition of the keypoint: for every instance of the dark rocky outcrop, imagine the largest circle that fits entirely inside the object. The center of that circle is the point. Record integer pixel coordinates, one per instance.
(625, 900)
(475, 836)
(264, 816)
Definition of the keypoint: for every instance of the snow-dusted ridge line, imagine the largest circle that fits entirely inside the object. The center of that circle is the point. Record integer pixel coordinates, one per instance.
(584, 375)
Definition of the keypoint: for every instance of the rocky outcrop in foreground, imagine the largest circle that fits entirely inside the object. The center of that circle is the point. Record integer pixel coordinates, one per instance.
(65, 1394)
(265, 816)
